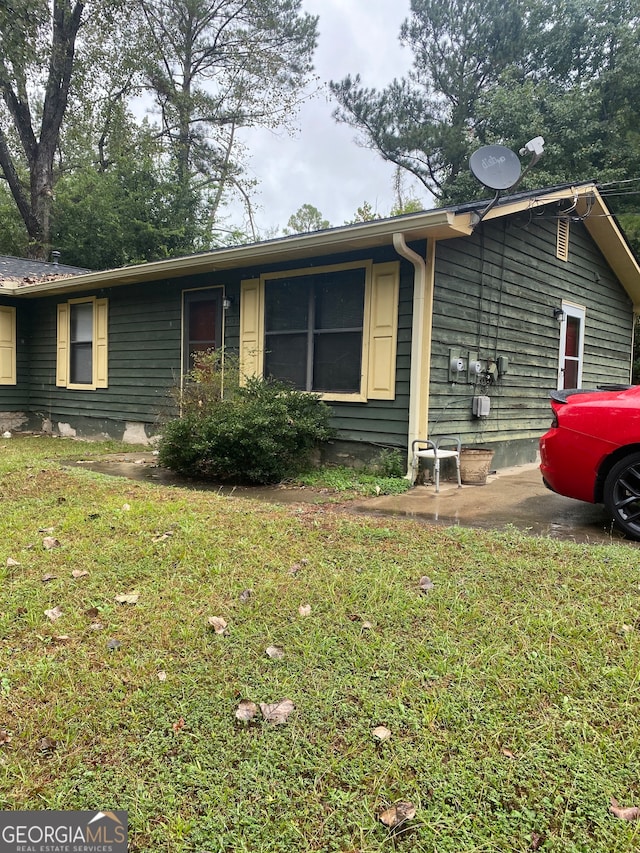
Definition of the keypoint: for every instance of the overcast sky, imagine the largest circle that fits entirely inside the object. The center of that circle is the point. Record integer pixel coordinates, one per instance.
(322, 165)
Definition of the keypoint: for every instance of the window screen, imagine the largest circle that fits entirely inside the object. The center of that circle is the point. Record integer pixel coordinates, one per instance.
(81, 343)
(313, 330)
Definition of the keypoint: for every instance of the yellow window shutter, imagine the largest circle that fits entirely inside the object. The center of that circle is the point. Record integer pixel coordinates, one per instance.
(383, 331)
(7, 346)
(62, 357)
(251, 327)
(100, 343)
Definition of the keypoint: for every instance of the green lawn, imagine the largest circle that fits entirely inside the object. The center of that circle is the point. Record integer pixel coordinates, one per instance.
(511, 689)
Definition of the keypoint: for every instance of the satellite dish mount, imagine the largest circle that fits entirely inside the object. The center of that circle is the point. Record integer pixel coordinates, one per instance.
(498, 168)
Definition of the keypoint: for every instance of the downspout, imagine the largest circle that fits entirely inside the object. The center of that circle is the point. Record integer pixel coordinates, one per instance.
(634, 332)
(420, 340)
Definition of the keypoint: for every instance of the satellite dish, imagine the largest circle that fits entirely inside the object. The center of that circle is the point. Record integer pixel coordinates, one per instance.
(495, 166)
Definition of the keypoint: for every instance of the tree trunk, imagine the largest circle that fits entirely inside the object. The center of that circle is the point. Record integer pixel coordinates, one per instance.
(35, 208)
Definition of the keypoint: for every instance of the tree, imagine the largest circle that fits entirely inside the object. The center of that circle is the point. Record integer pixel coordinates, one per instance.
(424, 124)
(216, 67)
(568, 71)
(28, 56)
(365, 213)
(306, 218)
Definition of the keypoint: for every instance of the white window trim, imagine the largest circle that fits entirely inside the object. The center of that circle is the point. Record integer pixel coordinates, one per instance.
(571, 309)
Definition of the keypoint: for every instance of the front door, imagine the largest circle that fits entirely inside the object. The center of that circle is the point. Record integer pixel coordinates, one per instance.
(571, 346)
(202, 327)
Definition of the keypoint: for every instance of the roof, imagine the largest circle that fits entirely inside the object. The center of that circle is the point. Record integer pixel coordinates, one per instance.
(22, 272)
(582, 201)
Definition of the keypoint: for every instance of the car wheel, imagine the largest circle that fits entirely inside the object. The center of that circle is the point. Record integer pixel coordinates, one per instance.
(622, 494)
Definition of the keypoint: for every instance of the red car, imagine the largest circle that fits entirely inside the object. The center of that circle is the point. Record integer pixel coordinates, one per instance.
(592, 451)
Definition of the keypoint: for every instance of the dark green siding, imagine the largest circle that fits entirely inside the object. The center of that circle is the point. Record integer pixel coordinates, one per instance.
(495, 295)
(145, 327)
(144, 358)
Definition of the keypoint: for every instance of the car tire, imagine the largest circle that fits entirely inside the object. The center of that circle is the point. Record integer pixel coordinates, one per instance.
(622, 495)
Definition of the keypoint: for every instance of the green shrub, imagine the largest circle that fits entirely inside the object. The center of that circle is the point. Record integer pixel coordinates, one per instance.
(261, 432)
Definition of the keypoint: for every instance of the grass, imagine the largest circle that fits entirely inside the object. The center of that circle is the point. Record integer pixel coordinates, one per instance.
(351, 482)
(511, 689)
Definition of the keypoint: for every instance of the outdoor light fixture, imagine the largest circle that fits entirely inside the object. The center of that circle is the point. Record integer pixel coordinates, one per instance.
(226, 303)
(558, 314)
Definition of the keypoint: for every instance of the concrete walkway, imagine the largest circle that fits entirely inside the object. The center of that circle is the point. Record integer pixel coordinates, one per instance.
(512, 496)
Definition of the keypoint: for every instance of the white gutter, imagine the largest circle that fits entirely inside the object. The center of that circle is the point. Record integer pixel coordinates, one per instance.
(416, 377)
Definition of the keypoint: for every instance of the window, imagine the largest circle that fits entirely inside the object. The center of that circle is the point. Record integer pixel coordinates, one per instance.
(7, 345)
(313, 331)
(82, 344)
(202, 327)
(332, 330)
(571, 346)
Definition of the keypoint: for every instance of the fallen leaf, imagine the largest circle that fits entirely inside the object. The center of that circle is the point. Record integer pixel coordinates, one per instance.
(367, 626)
(426, 584)
(275, 652)
(46, 529)
(62, 638)
(277, 712)
(113, 645)
(162, 675)
(246, 711)
(92, 612)
(381, 733)
(54, 613)
(245, 595)
(398, 814)
(218, 624)
(11, 563)
(304, 610)
(5, 737)
(624, 812)
(508, 753)
(295, 568)
(50, 542)
(46, 744)
(48, 578)
(163, 536)
(128, 597)
(178, 725)
(537, 841)
(79, 573)
(96, 626)
(126, 507)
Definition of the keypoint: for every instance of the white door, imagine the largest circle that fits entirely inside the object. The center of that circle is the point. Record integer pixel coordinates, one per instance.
(571, 346)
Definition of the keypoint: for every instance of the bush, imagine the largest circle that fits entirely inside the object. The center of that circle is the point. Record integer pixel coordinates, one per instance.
(259, 433)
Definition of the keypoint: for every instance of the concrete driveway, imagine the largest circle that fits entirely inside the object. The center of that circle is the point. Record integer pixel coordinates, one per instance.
(513, 496)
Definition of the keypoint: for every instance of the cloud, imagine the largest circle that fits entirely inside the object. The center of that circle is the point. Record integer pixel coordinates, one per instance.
(322, 164)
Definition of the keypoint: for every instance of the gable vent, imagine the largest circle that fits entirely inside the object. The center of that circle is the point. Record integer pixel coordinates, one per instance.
(562, 240)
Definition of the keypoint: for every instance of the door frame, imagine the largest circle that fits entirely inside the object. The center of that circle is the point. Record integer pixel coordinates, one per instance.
(579, 312)
(192, 297)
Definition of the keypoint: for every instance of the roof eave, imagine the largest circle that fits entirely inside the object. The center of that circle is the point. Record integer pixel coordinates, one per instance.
(438, 224)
